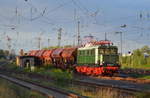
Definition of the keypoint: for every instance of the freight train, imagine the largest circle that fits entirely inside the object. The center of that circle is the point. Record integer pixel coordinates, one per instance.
(94, 58)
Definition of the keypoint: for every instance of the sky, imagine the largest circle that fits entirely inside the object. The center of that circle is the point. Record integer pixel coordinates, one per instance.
(23, 22)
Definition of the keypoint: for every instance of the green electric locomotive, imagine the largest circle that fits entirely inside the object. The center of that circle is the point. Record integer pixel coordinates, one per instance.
(98, 58)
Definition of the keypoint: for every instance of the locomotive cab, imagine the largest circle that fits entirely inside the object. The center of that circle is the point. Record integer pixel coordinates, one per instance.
(103, 55)
(108, 56)
(98, 58)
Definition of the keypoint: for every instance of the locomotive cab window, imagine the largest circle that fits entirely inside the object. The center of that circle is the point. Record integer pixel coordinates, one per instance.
(107, 51)
(93, 52)
(80, 53)
(83, 53)
(87, 52)
(101, 51)
(113, 51)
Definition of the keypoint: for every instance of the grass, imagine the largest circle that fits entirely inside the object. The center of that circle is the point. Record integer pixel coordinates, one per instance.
(91, 92)
(10, 90)
(62, 80)
(140, 76)
(145, 77)
(62, 77)
(102, 92)
(143, 95)
(138, 67)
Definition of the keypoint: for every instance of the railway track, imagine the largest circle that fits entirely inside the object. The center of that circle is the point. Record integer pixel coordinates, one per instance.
(126, 78)
(135, 71)
(122, 85)
(125, 87)
(126, 84)
(50, 92)
(122, 77)
(97, 82)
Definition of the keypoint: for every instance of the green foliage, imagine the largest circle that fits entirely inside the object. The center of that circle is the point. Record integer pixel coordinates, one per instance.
(34, 94)
(10, 90)
(61, 77)
(137, 59)
(145, 49)
(27, 69)
(145, 77)
(4, 52)
(60, 74)
(143, 95)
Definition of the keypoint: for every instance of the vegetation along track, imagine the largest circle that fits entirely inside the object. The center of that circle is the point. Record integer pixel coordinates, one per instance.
(116, 82)
(121, 86)
(135, 71)
(102, 82)
(50, 92)
(125, 78)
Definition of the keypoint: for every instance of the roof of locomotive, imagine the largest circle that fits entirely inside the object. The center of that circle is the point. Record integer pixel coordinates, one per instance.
(95, 45)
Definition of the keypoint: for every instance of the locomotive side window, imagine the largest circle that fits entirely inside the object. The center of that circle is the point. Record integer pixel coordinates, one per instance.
(87, 52)
(107, 51)
(83, 53)
(92, 52)
(80, 53)
(101, 51)
(113, 51)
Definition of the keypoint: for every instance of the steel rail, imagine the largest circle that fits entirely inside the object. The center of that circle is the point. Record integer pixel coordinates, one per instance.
(36, 85)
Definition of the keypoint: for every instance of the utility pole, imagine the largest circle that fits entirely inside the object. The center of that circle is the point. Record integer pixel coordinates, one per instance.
(9, 46)
(48, 41)
(74, 39)
(39, 42)
(78, 33)
(120, 46)
(120, 41)
(9, 43)
(59, 36)
(105, 36)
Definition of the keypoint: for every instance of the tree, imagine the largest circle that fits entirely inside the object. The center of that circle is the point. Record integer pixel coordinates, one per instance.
(138, 58)
(145, 49)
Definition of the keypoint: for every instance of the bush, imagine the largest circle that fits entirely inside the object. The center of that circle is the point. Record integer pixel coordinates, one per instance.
(143, 95)
(138, 58)
(61, 77)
